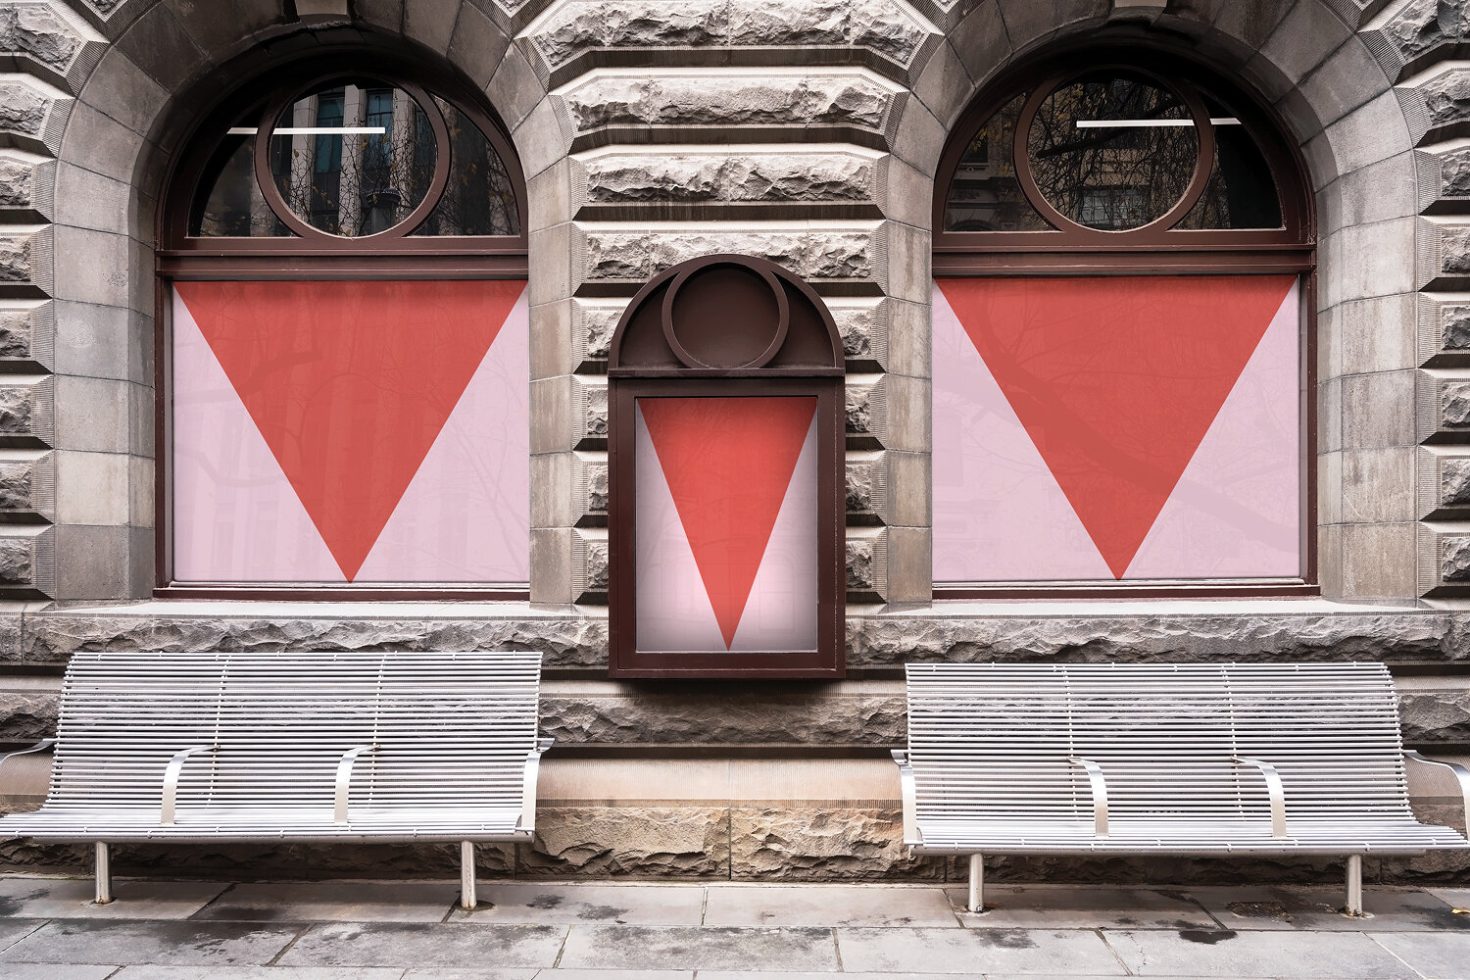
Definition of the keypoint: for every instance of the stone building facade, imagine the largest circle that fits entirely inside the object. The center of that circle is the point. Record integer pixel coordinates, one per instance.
(809, 133)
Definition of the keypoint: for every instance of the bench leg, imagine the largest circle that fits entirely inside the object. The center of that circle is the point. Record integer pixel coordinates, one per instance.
(1354, 885)
(467, 875)
(103, 873)
(977, 883)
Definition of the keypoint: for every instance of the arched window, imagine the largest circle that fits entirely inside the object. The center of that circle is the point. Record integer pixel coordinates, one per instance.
(343, 364)
(1122, 307)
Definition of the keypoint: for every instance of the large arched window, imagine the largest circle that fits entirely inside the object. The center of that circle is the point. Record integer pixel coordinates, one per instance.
(1122, 304)
(343, 343)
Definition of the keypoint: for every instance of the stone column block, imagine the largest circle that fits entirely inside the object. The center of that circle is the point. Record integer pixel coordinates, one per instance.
(866, 482)
(589, 565)
(1436, 104)
(27, 484)
(33, 113)
(27, 411)
(1442, 330)
(866, 407)
(1442, 482)
(867, 563)
(593, 323)
(27, 335)
(27, 261)
(1414, 35)
(27, 559)
(27, 182)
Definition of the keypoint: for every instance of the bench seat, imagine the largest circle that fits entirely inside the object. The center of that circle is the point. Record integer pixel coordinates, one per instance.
(1178, 759)
(258, 746)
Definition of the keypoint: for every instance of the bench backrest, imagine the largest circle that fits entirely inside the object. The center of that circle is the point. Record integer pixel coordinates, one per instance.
(992, 741)
(451, 729)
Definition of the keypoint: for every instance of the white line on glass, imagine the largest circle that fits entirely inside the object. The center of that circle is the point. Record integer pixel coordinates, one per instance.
(1149, 123)
(311, 130)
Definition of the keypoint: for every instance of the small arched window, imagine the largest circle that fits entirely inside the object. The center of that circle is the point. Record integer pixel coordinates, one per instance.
(1123, 275)
(344, 338)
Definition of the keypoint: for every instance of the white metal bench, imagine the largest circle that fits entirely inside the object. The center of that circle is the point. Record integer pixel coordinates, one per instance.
(324, 747)
(1130, 759)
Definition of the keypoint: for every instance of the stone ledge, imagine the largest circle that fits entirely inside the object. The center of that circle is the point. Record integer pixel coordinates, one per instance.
(1201, 631)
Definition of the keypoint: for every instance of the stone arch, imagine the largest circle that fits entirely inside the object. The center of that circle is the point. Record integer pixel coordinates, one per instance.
(156, 63)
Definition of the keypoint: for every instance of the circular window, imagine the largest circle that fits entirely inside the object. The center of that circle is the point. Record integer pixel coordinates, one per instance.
(355, 158)
(1112, 150)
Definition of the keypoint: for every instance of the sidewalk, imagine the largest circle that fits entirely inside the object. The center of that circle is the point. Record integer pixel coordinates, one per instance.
(392, 930)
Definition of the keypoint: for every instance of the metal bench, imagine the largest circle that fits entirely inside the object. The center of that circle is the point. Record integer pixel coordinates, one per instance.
(1232, 759)
(322, 747)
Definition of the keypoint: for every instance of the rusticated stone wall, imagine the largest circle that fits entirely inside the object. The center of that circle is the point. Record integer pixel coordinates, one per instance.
(808, 132)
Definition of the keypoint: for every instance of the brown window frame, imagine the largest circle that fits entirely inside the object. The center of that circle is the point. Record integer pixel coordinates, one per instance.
(313, 254)
(1153, 249)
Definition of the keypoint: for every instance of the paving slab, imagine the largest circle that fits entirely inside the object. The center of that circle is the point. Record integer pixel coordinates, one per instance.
(71, 898)
(698, 948)
(163, 943)
(827, 905)
(1320, 909)
(50, 971)
(552, 904)
(1061, 907)
(624, 975)
(976, 951)
(412, 944)
(430, 974)
(256, 973)
(1224, 953)
(334, 901)
(1442, 956)
(781, 975)
(13, 931)
(1455, 897)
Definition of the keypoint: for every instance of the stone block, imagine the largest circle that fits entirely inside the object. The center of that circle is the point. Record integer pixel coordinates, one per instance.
(663, 842)
(93, 488)
(1368, 335)
(122, 90)
(1437, 712)
(431, 24)
(27, 411)
(905, 496)
(1378, 561)
(27, 261)
(514, 89)
(578, 29)
(102, 342)
(95, 562)
(28, 716)
(589, 565)
(1371, 260)
(477, 45)
(1443, 253)
(94, 414)
(1444, 559)
(1415, 35)
(591, 398)
(1442, 405)
(1375, 131)
(863, 325)
(542, 138)
(910, 564)
(1378, 410)
(95, 267)
(33, 113)
(27, 559)
(827, 843)
(158, 44)
(865, 404)
(551, 565)
(1377, 192)
(980, 41)
(224, 36)
(85, 199)
(97, 142)
(593, 323)
(1302, 41)
(27, 334)
(718, 175)
(867, 562)
(825, 99)
(907, 418)
(866, 479)
(1348, 78)
(592, 487)
(1442, 483)
(42, 36)
(1029, 21)
(1378, 485)
(27, 183)
(558, 414)
(27, 484)
(632, 253)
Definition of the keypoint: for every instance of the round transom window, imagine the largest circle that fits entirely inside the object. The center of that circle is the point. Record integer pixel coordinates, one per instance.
(1112, 151)
(354, 158)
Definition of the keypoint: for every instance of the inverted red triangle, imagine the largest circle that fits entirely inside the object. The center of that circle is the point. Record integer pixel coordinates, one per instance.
(350, 383)
(1117, 380)
(728, 463)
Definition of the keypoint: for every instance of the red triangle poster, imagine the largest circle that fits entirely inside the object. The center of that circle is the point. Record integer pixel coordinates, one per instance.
(350, 383)
(728, 463)
(1117, 379)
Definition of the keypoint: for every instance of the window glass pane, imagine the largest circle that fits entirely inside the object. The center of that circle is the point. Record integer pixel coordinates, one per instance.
(331, 433)
(1112, 151)
(1117, 429)
(1241, 192)
(352, 163)
(985, 195)
(229, 203)
(480, 198)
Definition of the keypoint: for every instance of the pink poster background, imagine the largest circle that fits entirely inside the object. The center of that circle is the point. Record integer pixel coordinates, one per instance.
(999, 515)
(463, 519)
